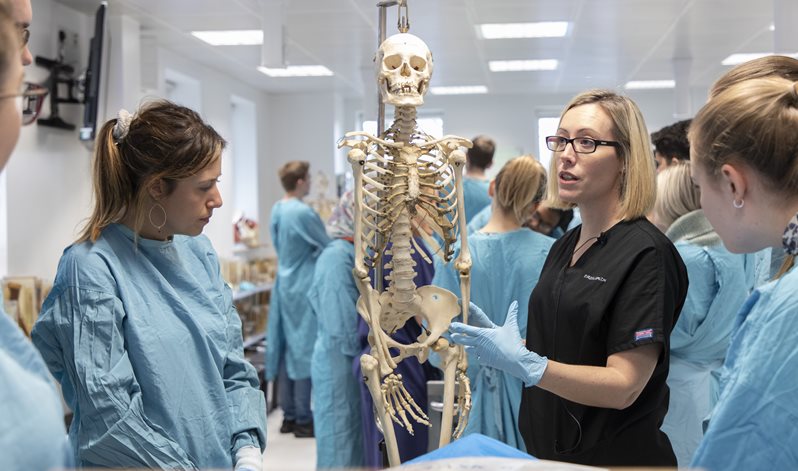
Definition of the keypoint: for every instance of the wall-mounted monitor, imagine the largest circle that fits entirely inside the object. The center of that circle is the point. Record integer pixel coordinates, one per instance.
(93, 76)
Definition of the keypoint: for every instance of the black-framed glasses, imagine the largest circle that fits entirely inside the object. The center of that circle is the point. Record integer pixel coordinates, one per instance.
(31, 98)
(581, 145)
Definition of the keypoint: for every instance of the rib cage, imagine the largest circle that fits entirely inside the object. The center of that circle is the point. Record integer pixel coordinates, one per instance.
(386, 174)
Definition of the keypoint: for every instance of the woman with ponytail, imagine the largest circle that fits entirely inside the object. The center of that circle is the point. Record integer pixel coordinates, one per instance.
(744, 149)
(139, 328)
(507, 259)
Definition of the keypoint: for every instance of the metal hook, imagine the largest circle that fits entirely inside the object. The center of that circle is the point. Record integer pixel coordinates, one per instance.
(403, 22)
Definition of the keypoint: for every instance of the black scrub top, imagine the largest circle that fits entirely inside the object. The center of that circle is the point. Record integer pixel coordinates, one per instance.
(625, 291)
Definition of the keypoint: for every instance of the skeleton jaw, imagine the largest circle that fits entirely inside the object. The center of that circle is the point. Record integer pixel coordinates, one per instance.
(405, 93)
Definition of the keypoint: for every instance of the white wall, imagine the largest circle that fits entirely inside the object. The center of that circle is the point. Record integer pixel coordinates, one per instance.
(48, 186)
(298, 127)
(48, 191)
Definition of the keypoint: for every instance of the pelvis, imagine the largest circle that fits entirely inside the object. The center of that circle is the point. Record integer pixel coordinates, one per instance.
(434, 305)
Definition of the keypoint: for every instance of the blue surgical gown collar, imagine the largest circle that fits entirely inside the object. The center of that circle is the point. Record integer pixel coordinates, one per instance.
(143, 242)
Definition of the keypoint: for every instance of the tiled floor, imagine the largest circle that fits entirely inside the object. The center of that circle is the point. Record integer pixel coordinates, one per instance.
(284, 452)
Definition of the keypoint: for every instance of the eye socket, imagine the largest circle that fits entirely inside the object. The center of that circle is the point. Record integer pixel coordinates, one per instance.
(392, 62)
(418, 64)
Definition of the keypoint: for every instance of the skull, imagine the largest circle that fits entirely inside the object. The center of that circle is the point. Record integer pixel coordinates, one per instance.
(404, 67)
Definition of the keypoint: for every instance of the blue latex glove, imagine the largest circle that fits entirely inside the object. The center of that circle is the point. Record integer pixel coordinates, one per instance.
(499, 347)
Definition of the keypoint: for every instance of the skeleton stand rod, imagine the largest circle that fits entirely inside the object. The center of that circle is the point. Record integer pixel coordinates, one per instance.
(382, 6)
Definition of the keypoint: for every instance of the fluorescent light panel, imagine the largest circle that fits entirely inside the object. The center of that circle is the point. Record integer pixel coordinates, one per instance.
(521, 65)
(297, 71)
(646, 84)
(735, 59)
(244, 37)
(460, 90)
(543, 29)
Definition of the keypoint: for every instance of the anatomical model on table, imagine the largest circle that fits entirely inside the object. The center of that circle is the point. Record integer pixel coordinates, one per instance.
(405, 179)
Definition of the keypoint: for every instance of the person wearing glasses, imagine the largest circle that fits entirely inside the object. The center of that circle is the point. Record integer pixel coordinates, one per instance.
(596, 357)
(32, 433)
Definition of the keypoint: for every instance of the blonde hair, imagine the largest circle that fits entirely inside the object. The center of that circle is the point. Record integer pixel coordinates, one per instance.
(768, 66)
(676, 194)
(755, 123)
(519, 186)
(752, 122)
(638, 187)
(165, 142)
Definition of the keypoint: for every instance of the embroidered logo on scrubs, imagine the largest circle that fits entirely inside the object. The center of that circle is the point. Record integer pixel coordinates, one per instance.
(595, 278)
(644, 334)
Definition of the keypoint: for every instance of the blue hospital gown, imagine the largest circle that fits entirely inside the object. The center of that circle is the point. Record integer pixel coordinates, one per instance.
(32, 433)
(753, 424)
(299, 237)
(147, 345)
(475, 196)
(700, 339)
(506, 268)
(336, 392)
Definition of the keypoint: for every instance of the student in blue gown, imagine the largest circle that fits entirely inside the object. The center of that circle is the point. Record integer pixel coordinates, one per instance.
(743, 146)
(414, 376)
(336, 393)
(717, 289)
(298, 236)
(32, 433)
(505, 247)
(140, 328)
(479, 158)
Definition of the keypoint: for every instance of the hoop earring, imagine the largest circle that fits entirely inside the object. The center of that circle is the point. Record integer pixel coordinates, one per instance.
(163, 210)
(738, 205)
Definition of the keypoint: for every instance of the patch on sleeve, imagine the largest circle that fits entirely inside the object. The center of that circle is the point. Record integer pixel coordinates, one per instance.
(644, 334)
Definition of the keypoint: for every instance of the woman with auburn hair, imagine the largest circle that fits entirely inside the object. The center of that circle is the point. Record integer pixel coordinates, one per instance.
(596, 357)
(503, 246)
(744, 150)
(140, 328)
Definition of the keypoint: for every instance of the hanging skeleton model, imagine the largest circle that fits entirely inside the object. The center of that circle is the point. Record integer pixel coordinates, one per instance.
(404, 179)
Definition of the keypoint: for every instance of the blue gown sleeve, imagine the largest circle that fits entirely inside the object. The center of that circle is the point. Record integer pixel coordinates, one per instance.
(312, 230)
(753, 424)
(702, 291)
(244, 398)
(81, 340)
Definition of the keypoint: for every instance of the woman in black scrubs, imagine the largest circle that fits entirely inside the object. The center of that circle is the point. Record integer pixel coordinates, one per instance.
(602, 312)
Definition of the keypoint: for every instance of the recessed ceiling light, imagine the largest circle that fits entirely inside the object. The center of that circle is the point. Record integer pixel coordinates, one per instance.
(644, 84)
(461, 90)
(244, 37)
(297, 71)
(543, 29)
(520, 65)
(772, 27)
(735, 59)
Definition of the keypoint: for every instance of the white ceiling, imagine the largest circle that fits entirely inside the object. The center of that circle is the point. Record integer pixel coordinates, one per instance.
(609, 42)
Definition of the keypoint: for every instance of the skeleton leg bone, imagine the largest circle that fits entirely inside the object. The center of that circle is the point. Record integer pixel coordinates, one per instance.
(449, 356)
(370, 367)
